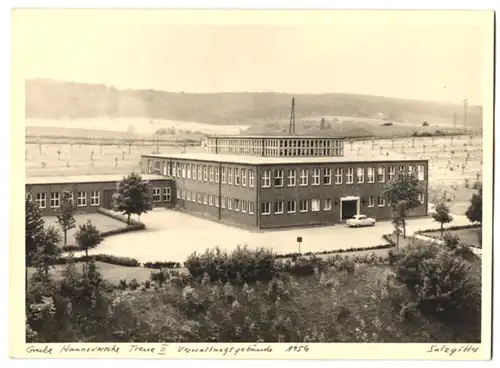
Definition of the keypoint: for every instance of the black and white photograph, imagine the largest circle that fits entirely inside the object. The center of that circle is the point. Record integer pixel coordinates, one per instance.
(253, 180)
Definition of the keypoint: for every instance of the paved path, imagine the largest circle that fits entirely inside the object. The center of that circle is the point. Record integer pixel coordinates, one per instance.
(172, 236)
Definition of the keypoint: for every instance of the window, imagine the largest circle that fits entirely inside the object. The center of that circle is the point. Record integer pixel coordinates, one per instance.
(303, 177)
(150, 166)
(292, 177)
(167, 194)
(278, 178)
(244, 206)
(410, 170)
(244, 177)
(266, 178)
(95, 198)
(205, 198)
(315, 205)
(198, 168)
(41, 200)
(237, 176)
(278, 207)
(328, 204)
(188, 171)
(381, 174)
(71, 197)
(316, 176)
(350, 175)
(199, 198)
(156, 194)
(229, 203)
(392, 173)
(251, 178)
(81, 199)
(421, 198)
(291, 206)
(304, 205)
(250, 208)
(381, 201)
(217, 174)
(205, 173)
(229, 175)
(223, 203)
(193, 167)
(188, 196)
(55, 199)
(338, 175)
(420, 172)
(178, 193)
(211, 200)
(327, 176)
(266, 208)
(183, 194)
(169, 169)
(183, 169)
(371, 175)
(360, 174)
(224, 175)
(178, 170)
(371, 201)
(211, 174)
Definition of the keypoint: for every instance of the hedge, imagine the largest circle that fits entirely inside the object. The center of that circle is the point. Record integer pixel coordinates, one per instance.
(135, 227)
(461, 227)
(158, 265)
(117, 216)
(119, 261)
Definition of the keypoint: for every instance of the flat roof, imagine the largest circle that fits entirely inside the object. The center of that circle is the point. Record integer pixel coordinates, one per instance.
(284, 160)
(271, 136)
(87, 179)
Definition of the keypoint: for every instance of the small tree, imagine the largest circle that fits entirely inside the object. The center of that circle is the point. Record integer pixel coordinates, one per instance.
(88, 237)
(399, 215)
(48, 249)
(475, 211)
(396, 221)
(322, 124)
(132, 196)
(442, 215)
(34, 224)
(66, 218)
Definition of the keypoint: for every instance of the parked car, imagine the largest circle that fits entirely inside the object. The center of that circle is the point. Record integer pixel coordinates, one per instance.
(360, 220)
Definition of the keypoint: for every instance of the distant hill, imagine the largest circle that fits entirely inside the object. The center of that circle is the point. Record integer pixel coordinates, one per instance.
(49, 99)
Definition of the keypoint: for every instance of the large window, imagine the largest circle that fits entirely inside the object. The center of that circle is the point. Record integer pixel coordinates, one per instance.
(167, 194)
(420, 172)
(315, 205)
(266, 178)
(278, 207)
(95, 198)
(211, 200)
(237, 176)
(205, 173)
(350, 175)
(251, 179)
(338, 175)
(198, 168)
(303, 177)
(291, 206)
(244, 206)
(178, 165)
(183, 169)
(316, 176)
(278, 178)
(193, 170)
(224, 175)
(251, 208)
(243, 177)
(304, 205)
(205, 198)
(188, 171)
(211, 174)
(41, 200)
(292, 178)
(265, 208)
(55, 199)
(327, 176)
(236, 204)
(217, 174)
(381, 201)
(371, 175)
(360, 174)
(371, 201)
(328, 204)
(381, 174)
(81, 199)
(230, 175)
(392, 173)
(156, 194)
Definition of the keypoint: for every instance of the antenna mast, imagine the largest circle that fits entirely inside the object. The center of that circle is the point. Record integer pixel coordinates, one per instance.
(291, 128)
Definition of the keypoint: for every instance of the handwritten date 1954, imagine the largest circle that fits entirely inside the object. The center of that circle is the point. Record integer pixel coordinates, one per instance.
(297, 349)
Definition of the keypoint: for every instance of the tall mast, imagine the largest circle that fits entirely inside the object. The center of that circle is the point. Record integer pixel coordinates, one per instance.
(291, 128)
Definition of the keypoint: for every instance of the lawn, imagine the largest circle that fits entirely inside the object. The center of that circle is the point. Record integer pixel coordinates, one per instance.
(467, 236)
(102, 222)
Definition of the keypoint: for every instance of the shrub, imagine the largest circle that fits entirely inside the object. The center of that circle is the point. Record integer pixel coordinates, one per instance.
(122, 284)
(295, 255)
(158, 265)
(122, 230)
(133, 284)
(71, 248)
(105, 258)
(241, 265)
(159, 277)
(147, 284)
(117, 216)
(304, 266)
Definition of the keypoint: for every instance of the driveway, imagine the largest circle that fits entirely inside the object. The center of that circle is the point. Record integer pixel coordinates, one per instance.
(172, 236)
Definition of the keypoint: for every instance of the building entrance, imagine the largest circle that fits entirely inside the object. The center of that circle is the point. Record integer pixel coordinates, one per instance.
(349, 206)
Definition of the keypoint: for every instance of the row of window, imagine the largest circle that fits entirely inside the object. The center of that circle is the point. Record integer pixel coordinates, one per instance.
(232, 204)
(81, 199)
(314, 205)
(325, 175)
(165, 195)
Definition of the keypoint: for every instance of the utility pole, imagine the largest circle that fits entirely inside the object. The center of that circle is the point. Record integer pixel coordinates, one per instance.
(291, 128)
(465, 114)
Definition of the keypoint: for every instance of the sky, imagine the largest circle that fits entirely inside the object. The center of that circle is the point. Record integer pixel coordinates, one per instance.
(411, 55)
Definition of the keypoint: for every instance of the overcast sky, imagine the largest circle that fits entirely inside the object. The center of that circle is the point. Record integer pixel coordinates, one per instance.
(408, 56)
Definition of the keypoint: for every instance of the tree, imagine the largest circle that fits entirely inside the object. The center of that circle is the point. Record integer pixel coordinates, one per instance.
(66, 218)
(88, 237)
(475, 211)
(396, 221)
(322, 124)
(404, 187)
(132, 196)
(34, 224)
(442, 215)
(399, 215)
(48, 249)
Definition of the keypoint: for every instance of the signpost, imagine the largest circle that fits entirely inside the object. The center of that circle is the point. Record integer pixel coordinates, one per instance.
(299, 240)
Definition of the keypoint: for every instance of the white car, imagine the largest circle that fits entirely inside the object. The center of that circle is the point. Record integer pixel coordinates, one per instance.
(360, 220)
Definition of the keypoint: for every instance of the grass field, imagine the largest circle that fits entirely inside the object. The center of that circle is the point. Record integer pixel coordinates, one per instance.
(467, 236)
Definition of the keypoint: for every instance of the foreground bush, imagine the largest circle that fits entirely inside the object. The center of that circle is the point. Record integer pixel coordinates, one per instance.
(242, 264)
(105, 258)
